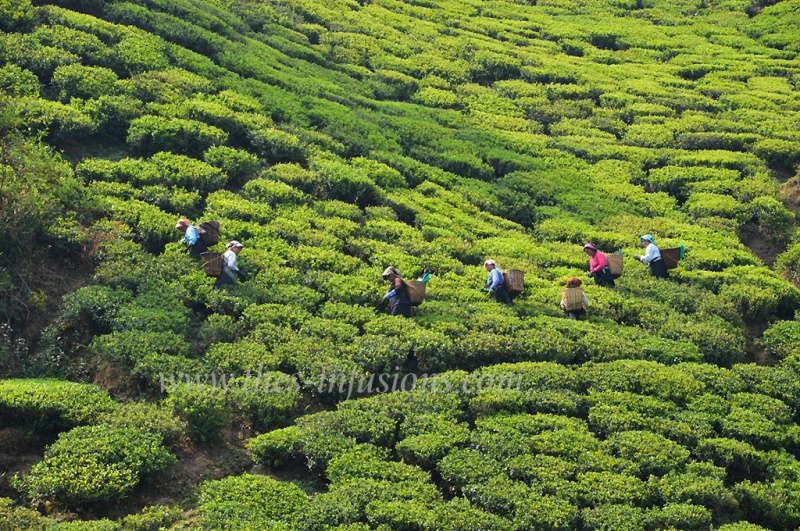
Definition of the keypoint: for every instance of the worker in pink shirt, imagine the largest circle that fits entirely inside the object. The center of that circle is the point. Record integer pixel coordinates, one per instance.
(598, 266)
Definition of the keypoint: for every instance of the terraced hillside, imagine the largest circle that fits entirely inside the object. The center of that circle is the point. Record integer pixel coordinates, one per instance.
(334, 139)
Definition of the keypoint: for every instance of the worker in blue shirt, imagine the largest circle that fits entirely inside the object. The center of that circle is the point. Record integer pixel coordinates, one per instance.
(194, 243)
(494, 284)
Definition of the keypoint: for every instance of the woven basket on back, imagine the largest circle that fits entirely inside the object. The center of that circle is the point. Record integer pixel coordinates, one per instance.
(671, 257)
(212, 263)
(573, 299)
(615, 264)
(416, 291)
(514, 281)
(209, 231)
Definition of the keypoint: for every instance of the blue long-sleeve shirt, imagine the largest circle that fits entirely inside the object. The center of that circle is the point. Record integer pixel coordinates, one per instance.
(191, 236)
(495, 278)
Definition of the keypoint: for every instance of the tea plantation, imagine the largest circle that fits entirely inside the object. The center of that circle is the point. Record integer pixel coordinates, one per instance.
(335, 138)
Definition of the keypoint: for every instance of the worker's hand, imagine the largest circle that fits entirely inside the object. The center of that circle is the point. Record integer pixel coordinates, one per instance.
(243, 275)
(485, 290)
(381, 304)
(637, 257)
(591, 274)
(491, 291)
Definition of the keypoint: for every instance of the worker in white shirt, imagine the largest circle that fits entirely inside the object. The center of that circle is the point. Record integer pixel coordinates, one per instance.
(230, 271)
(652, 257)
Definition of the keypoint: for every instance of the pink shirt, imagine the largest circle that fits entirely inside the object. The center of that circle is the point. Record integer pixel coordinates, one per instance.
(597, 262)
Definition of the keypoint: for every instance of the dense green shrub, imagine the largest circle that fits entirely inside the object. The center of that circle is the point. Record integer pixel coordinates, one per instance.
(773, 504)
(51, 405)
(275, 448)
(150, 134)
(701, 484)
(268, 401)
(20, 518)
(614, 516)
(139, 52)
(782, 340)
(237, 164)
(18, 82)
(774, 220)
(149, 418)
(680, 516)
(78, 81)
(87, 525)
(238, 502)
(152, 518)
(92, 464)
(651, 453)
(60, 123)
(778, 153)
(204, 406)
(276, 146)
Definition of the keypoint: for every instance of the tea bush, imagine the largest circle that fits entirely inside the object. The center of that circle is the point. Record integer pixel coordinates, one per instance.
(782, 340)
(93, 464)
(257, 500)
(51, 406)
(238, 165)
(150, 134)
(275, 448)
(149, 418)
(59, 123)
(205, 407)
(78, 81)
(152, 518)
(20, 518)
(18, 82)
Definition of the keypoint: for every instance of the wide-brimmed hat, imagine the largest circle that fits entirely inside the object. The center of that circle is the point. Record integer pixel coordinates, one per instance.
(391, 270)
(233, 243)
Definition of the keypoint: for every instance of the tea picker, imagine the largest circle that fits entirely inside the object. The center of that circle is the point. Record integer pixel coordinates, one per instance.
(599, 267)
(495, 284)
(652, 257)
(195, 245)
(397, 296)
(230, 271)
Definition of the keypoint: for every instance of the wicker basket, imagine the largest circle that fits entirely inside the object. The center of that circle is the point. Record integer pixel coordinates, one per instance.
(209, 231)
(671, 257)
(615, 264)
(573, 299)
(212, 263)
(416, 291)
(514, 281)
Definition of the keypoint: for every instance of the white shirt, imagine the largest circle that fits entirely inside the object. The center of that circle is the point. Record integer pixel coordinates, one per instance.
(230, 260)
(651, 253)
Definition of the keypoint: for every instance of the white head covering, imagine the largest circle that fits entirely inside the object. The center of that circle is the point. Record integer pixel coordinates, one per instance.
(490, 262)
(234, 243)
